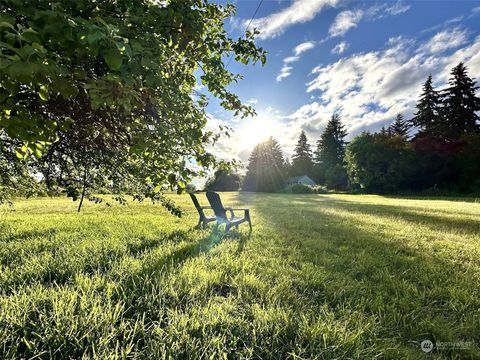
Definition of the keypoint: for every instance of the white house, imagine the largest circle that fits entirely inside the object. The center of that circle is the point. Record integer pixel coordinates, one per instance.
(304, 180)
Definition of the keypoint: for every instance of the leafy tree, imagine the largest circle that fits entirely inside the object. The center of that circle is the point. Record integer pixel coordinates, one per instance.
(266, 168)
(15, 174)
(224, 179)
(380, 163)
(427, 117)
(399, 127)
(302, 161)
(460, 105)
(102, 92)
(331, 147)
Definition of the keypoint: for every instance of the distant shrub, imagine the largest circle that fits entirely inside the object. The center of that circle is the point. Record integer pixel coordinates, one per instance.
(299, 189)
(224, 180)
(320, 189)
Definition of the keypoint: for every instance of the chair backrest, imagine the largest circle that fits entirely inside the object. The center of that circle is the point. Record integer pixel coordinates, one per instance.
(195, 201)
(216, 204)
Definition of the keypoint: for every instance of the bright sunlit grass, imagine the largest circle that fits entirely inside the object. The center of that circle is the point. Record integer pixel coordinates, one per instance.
(323, 276)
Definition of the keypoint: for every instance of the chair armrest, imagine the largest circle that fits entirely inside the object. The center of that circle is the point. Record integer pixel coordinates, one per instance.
(247, 211)
(205, 207)
(232, 214)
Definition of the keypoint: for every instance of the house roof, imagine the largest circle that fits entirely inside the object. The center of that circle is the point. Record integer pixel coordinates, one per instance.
(298, 178)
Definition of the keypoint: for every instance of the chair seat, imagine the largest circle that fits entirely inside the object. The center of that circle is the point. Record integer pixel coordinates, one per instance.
(221, 213)
(237, 219)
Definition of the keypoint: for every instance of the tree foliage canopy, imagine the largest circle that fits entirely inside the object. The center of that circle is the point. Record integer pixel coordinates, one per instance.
(331, 146)
(427, 116)
(460, 105)
(224, 179)
(379, 162)
(400, 127)
(102, 93)
(330, 153)
(266, 168)
(302, 161)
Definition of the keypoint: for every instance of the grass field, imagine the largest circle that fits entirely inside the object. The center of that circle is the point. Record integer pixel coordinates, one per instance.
(322, 276)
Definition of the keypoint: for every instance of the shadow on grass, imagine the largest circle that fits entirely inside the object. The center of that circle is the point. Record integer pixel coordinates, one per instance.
(56, 266)
(436, 219)
(466, 198)
(410, 295)
(150, 278)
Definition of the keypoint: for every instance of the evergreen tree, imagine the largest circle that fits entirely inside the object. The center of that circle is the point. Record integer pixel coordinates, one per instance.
(427, 118)
(385, 132)
(460, 104)
(399, 127)
(331, 146)
(266, 168)
(330, 154)
(302, 161)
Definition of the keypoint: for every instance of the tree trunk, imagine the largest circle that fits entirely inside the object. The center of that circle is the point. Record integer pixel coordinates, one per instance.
(84, 188)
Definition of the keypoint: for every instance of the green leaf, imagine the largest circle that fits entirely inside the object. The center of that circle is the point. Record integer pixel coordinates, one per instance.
(18, 154)
(113, 58)
(43, 93)
(21, 71)
(6, 24)
(38, 153)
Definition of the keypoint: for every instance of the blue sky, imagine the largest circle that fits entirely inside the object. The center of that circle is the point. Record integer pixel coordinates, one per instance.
(364, 59)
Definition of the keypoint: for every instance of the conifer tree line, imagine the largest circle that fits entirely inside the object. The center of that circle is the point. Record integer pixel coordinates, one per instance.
(438, 149)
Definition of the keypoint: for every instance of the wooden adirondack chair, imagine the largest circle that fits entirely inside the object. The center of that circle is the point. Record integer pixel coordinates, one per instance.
(204, 219)
(221, 213)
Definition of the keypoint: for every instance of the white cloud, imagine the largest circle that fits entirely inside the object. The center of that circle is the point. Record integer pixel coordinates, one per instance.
(340, 48)
(291, 59)
(349, 19)
(398, 8)
(475, 11)
(344, 21)
(284, 72)
(300, 11)
(370, 88)
(248, 132)
(305, 46)
(444, 40)
(252, 101)
(381, 11)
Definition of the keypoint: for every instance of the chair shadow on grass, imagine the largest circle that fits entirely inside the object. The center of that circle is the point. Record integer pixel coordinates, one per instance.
(210, 237)
(218, 234)
(104, 258)
(412, 294)
(169, 263)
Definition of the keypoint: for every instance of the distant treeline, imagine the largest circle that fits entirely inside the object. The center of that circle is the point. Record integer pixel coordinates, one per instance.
(436, 150)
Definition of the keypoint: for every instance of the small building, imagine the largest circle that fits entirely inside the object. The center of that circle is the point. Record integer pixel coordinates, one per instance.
(304, 180)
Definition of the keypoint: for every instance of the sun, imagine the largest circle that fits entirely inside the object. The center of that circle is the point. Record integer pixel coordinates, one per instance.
(255, 130)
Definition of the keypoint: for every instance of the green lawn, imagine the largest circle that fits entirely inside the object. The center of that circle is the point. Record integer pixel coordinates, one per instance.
(322, 276)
